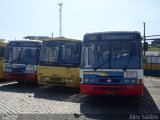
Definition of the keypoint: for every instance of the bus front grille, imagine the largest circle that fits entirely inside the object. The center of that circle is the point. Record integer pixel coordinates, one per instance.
(56, 83)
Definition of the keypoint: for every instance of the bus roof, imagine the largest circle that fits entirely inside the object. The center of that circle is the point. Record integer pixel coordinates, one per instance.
(24, 43)
(112, 35)
(60, 39)
(36, 37)
(114, 32)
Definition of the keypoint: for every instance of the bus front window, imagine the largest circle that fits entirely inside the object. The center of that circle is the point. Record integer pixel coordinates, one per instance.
(69, 54)
(60, 53)
(29, 56)
(22, 55)
(110, 54)
(124, 54)
(13, 54)
(95, 54)
(49, 53)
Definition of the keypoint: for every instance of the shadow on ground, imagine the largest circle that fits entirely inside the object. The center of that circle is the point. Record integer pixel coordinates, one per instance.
(121, 108)
(49, 92)
(58, 93)
(12, 86)
(91, 107)
(102, 107)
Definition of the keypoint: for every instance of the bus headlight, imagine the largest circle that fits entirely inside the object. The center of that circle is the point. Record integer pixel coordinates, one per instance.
(126, 81)
(29, 68)
(133, 81)
(65, 80)
(91, 80)
(46, 78)
(8, 69)
(30, 71)
(88, 80)
(68, 80)
(130, 81)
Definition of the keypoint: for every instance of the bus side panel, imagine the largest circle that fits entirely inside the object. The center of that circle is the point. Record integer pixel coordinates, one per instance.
(60, 76)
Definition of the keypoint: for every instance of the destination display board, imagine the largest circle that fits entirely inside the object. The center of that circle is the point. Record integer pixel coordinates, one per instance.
(112, 36)
(24, 43)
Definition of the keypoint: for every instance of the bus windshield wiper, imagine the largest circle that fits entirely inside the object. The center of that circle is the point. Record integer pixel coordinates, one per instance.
(127, 63)
(103, 63)
(17, 60)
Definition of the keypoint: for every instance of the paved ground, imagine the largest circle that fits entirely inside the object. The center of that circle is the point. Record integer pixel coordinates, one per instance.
(26, 101)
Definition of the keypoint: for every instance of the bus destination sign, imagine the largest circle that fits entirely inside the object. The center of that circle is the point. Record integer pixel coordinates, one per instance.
(111, 36)
(24, 44)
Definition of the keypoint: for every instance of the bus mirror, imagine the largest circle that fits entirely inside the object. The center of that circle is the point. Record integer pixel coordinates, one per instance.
(144, 60)
(145, 46)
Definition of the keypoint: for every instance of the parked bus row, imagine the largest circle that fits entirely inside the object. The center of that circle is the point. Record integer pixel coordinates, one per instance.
(103, 63)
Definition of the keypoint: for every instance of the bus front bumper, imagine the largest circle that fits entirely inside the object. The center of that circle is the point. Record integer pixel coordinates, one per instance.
(125, 90)
(20, 77)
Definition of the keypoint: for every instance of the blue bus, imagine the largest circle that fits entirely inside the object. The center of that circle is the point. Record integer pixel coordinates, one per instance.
(21, 60)
(111, 64)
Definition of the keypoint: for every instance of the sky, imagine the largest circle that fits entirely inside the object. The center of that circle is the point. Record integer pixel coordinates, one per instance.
(20, 18)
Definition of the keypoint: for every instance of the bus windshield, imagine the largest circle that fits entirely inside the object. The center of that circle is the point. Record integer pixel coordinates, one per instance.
(111, 54)
(60, 54)
(22, 55)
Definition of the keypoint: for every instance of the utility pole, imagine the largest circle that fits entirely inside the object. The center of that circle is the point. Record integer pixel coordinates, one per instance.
(60, 19)
(52, 34)
(144, 37)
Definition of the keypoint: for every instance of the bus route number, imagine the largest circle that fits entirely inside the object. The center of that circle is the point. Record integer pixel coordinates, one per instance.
(130, 74)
